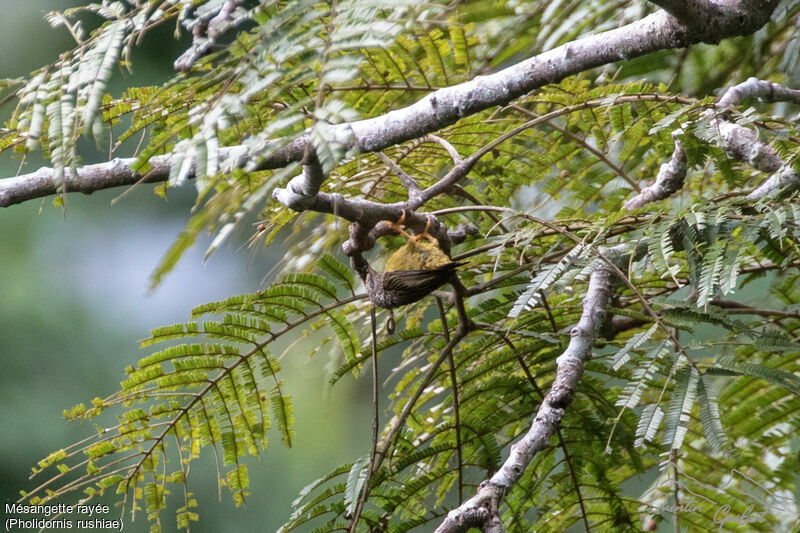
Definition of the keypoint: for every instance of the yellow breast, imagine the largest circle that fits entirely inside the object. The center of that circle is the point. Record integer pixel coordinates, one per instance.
(422, 255)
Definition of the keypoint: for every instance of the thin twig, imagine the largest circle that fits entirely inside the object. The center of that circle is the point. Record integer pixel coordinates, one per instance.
(456, 404)
(410, 183)
(587, 146)
(362, 499)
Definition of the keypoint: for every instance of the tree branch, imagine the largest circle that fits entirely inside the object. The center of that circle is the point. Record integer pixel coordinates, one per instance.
(690, 13)
(710, 21)
(90, 178)
(658, 31)
(739, 142)
(446, 106)
(742, 143)
(408, 182)
(87, 179)
(755, 88)
(302, 190)
(205, 32)
(482, 509)
(669, 180)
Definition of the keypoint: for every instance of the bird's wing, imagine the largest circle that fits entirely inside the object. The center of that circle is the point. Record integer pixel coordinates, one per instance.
(412, 285)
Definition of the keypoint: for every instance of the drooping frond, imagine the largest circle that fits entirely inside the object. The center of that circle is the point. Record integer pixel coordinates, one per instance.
(216, 384)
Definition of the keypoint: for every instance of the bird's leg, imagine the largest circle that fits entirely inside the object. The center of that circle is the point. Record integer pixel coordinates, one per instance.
(398, 226)
(425, 234)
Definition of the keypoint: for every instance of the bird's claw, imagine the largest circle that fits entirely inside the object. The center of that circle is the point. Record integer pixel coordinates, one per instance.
(400, 228)
(425, 234)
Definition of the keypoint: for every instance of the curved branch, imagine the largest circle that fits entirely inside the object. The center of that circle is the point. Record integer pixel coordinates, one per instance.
(481, 510)
(658, 31)
(739, 142)
(205, 32)
(669, 180)
(742, 143)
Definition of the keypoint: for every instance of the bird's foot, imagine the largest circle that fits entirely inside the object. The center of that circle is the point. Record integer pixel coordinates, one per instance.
(398, 226)
(425, 234)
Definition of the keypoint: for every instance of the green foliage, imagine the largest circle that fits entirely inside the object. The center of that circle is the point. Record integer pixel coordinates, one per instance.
(218, 388)
(687, 375)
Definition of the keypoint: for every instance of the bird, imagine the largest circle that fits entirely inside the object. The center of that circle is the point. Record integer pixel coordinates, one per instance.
(412, 272)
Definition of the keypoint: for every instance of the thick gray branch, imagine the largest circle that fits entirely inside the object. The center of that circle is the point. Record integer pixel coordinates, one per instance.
(755, 88)
(659, 31)
(90, 178)
(742, 143)
(709, 21)
(444, 107)
(301, 191)
(739, 142)
(570, 366)
(785, 180)
(669, 180)
(569, 370)
(681, 9)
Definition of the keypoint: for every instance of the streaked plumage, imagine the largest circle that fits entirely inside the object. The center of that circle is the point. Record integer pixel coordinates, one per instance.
(402, 287)
(412, 272)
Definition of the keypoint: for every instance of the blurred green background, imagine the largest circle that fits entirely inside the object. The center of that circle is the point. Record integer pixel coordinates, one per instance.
(76, 301)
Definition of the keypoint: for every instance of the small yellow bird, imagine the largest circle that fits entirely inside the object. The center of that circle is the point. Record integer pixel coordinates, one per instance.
(412, 272)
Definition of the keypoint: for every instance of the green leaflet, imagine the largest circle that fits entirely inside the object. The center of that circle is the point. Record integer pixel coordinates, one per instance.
(219, 388)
